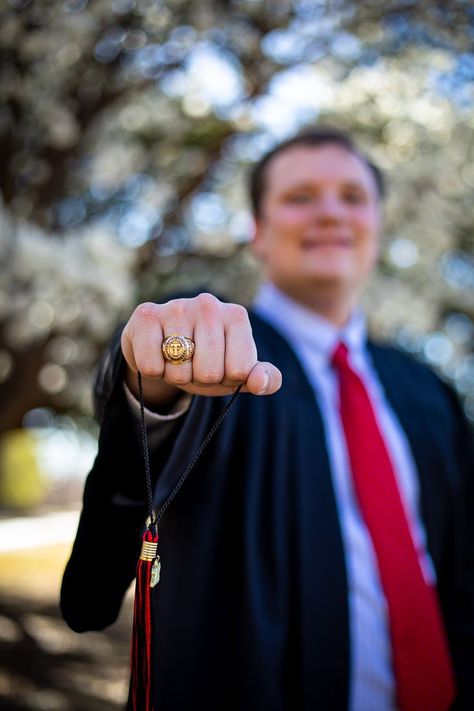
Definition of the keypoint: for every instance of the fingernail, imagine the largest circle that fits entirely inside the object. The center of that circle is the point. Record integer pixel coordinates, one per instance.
(264, 387)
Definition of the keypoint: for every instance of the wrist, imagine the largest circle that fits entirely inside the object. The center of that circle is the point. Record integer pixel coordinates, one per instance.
(157, 394)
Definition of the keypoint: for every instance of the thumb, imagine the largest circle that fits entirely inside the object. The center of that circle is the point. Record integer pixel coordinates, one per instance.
(263, 379)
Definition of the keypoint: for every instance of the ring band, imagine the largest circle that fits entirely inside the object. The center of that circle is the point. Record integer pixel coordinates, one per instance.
(177, 349)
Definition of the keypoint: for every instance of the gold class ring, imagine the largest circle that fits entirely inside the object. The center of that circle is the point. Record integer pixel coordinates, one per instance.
(177, 349)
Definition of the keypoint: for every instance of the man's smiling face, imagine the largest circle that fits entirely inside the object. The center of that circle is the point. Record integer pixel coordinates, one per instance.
(319, 222)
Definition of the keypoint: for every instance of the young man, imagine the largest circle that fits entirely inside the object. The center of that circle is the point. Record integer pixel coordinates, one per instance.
(319, 555)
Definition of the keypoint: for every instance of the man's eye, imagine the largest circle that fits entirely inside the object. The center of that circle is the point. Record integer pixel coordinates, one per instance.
(355, 198)
(298, 198)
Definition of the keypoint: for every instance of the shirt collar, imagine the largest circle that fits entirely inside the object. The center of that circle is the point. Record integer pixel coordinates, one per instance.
(301, 325)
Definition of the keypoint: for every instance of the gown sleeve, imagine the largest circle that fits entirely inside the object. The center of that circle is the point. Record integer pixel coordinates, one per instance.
(107, 545)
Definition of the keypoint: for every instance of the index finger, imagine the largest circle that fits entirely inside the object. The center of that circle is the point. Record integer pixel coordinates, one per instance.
(141, 341)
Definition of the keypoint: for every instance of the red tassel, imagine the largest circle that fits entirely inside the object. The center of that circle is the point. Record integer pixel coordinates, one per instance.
(140, 684)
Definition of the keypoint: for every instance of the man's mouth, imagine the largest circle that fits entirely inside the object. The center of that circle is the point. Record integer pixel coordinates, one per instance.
(342, 241)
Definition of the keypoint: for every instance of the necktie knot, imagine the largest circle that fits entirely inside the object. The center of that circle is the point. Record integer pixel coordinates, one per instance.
(339, 357)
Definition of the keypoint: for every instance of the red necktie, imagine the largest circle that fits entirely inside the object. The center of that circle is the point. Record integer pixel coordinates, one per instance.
(422, 666)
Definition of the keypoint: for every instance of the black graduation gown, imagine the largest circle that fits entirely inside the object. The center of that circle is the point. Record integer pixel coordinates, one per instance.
(251, 611)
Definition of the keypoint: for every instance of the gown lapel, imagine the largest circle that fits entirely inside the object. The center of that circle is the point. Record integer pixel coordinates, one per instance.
(417, 410)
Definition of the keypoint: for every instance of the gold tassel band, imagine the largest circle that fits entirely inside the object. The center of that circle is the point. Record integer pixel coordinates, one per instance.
(148, 550)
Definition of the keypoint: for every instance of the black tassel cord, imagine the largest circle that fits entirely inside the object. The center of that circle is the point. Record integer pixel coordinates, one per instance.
(149, 567)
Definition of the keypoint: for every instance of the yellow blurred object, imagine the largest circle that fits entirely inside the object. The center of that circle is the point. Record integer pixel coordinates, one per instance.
(22, 484)
(33, 572)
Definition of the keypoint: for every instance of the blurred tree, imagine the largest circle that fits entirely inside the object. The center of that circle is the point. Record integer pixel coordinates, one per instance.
(126, 127)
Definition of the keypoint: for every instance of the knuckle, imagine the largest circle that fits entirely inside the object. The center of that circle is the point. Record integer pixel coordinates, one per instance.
(209, 376)
(238, 313)
(237, 372)
(208, 303)
(147, 311)
(176, 308)
(178, 375)
(150, 369)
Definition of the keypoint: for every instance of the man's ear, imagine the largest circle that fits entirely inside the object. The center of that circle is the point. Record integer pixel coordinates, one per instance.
(257, 240)
(380, 227)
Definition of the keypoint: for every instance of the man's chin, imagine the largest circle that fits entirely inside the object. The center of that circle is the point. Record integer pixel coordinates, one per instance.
(330, 284)
(333, 282)
(330, 278)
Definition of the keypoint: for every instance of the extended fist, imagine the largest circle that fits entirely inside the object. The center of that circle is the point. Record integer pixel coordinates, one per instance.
(225, 353)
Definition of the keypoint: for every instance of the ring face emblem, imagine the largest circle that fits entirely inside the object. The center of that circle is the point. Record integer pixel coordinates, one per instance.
(177, 349)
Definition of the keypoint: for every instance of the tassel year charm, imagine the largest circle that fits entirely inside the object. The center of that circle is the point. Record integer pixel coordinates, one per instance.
(155, 572)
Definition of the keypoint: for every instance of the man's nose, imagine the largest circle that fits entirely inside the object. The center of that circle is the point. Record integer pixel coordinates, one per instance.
(328, 208)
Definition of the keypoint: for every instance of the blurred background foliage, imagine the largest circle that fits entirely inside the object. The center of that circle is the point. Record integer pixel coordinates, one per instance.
(126, 131)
